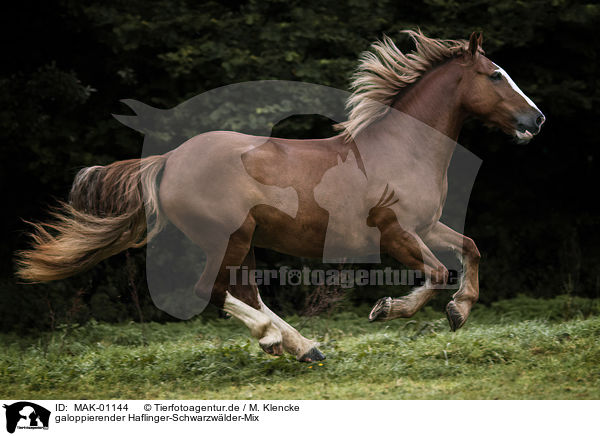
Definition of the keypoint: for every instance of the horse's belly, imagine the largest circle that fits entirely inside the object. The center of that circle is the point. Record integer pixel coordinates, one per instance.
(316, 234)
(295, 236)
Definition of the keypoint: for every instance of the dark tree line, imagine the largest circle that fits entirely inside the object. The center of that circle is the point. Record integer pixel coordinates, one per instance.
(66, 64)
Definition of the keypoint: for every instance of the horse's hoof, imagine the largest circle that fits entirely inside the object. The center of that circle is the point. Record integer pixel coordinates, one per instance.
(224, 315)
(312, 355)
(381, 310)
(275, 349)
(455, 319)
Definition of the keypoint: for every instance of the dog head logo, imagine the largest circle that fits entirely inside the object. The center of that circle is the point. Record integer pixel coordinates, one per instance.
(26, 415)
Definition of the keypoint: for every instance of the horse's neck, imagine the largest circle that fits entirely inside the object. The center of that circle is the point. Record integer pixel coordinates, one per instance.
(434, 100)
(426, 121)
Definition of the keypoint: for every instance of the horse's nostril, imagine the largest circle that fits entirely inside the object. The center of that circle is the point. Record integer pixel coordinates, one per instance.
(540, 120)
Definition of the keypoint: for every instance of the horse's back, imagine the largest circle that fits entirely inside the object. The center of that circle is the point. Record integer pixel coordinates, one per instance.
(206, 185)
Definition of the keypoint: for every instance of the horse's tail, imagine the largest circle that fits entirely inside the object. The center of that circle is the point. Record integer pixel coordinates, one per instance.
(111, 208)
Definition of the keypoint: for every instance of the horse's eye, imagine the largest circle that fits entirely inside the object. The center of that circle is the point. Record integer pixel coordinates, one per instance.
(495, 76)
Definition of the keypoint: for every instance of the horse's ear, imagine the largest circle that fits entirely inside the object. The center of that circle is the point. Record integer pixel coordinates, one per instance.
(474, 43)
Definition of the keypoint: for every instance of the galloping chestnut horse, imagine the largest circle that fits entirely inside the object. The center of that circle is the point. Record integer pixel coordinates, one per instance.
(440, 85)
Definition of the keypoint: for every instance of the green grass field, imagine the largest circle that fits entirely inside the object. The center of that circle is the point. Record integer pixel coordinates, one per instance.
(515, 349)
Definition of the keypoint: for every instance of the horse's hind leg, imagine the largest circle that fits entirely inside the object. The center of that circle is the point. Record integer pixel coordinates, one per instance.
(294, 343)
(260, 325)
(225, 295)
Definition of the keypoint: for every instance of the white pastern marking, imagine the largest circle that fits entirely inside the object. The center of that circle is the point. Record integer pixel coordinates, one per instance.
(514, 86)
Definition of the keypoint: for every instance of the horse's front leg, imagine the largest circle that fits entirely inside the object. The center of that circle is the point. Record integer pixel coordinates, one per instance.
(408, 248)
(443, 237)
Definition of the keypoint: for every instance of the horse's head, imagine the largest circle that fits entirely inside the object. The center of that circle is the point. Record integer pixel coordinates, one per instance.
(489, 93)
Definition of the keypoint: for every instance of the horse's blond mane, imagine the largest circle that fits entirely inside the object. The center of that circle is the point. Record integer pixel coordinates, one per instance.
(384, 71)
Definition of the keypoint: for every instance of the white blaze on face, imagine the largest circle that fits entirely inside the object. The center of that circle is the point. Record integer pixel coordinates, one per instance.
(525, 136)
(514, 86)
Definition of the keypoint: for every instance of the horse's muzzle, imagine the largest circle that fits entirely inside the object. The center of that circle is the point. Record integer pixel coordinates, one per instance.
(530, 123)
